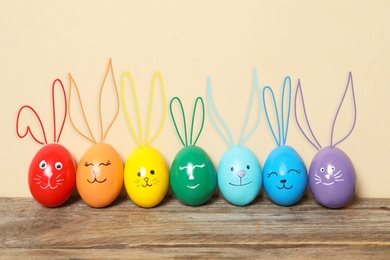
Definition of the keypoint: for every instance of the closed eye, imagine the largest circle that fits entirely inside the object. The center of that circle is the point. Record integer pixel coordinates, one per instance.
(293, 170)
(105, 164)
(86, 164)
(271, 173)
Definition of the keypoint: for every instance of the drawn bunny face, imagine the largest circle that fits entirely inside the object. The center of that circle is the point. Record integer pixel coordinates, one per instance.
(239, 175)
(100, 175)
(332, 176)
(239, 171)
(100, 170)
(146, 178)
(193, 177)
(285, 176)
(52, 172)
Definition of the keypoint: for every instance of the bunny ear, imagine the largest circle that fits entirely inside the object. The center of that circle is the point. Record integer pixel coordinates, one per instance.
(72, 82)
(349, 84)
(256, 88)
(211, 107)
(299, 90)
(184, 121)
(285, 123)
(138, 140)
(57, 138)
(28, 129)
(109, 69)
(156, 75)
(193, 118)
(277, 139)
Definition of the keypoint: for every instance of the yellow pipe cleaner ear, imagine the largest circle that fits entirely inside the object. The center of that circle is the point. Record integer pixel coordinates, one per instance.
(139, 139)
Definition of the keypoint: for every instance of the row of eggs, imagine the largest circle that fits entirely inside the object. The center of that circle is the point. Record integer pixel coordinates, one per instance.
(100, 175)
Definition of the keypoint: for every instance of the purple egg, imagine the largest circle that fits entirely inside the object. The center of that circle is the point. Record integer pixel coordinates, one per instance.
(332, 178)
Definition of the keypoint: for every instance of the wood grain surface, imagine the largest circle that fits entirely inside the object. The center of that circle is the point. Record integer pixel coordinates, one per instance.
(215, 230)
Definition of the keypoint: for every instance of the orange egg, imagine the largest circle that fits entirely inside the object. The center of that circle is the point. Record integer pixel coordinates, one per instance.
(99, 177)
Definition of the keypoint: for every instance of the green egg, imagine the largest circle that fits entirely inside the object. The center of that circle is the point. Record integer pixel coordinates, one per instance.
(193, 177)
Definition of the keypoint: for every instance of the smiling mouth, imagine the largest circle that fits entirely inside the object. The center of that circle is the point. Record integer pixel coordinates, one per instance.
(327, 184)
(96, 180)
(284, 187)
(193, 187)
(146, 185)
(48, 186)
(240, 184)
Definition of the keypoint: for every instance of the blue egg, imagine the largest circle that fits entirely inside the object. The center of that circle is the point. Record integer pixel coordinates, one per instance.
(239, 175)
(285, 176)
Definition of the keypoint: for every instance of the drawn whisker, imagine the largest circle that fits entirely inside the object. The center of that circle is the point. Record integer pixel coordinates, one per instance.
(339, 179)
(318, 179)
(318, 182)
(339, 176)
(337, 173)
(317, 175)
(59, 180)
(58, 176)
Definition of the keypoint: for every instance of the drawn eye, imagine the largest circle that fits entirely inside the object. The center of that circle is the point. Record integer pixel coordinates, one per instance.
(248, 167)
(42, 164)
(105, 164)
(139, 174)
(322, 169)
(58, 165)
(86, 164)
(272, 173)
(293, 170)
(232, 169)
(152, 172)
(333, 168)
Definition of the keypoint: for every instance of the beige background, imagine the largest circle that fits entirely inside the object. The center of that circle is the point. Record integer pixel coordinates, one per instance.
(317, 41)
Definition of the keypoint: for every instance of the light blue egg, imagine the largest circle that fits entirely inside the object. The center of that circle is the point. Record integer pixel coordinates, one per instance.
(285, 176)
(239, 175)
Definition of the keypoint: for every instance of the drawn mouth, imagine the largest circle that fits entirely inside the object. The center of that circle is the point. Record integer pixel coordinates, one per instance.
(96, 180)
(284, 187)
(241, 184)
(146, 185)
(193, 187)
(48, 186)
(327, 184)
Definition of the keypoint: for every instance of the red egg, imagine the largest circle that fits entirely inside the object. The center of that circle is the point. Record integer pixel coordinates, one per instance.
(52, 175)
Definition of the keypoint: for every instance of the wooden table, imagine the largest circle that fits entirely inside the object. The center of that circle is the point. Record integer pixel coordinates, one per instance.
(215, 230)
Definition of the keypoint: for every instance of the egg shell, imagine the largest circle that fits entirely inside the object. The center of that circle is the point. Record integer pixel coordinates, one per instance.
(52, 185)
(146, 177)
(332, 178)
(239, 184)
(193, 177)
(100, 175)
(285, 176)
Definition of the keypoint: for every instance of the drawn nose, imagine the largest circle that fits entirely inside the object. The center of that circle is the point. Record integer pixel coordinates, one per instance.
(48, 174)
(241, 174)
(283, 181)
(146, 179)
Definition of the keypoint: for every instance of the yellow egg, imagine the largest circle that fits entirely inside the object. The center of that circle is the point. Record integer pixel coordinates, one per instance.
(146, 177)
